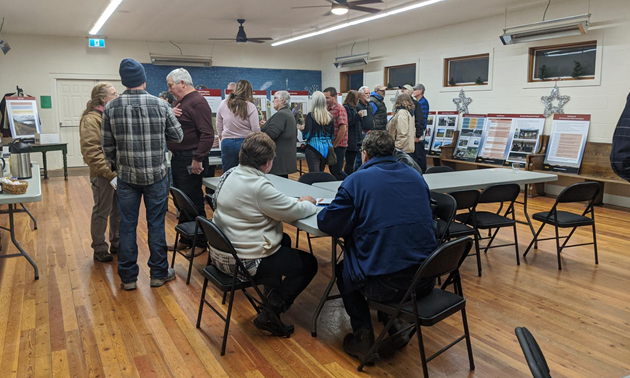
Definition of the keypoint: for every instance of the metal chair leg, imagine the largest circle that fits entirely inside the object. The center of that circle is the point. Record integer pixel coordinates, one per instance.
(175, 249)
(297, 239)
(477, 252)
(518, 261)
(558, 247)
(308, 237)
(567, 238)
(595, 244)
(227, 322)
(224, 296)
(468, 344)
(423, 357)
(534, 240)
(203, 296)
(491, 239)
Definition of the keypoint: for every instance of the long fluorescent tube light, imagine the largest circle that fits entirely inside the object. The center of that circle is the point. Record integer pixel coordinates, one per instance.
(356, 22)
(105, 16)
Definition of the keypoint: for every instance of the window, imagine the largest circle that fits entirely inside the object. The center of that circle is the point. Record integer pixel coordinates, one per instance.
(351, 80)
(397, 76)
(466, 70)
(563, 62)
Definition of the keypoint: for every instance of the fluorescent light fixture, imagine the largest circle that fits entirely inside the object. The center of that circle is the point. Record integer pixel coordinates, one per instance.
(561, 27)
(339, 10)
(352, 60)
(181, 60)
(103, 19)
(357, 21)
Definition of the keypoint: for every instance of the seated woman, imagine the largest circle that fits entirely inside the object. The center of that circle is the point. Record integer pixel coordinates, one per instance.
(250, 211)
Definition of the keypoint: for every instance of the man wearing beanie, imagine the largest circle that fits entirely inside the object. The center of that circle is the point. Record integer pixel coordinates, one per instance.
(135, 129)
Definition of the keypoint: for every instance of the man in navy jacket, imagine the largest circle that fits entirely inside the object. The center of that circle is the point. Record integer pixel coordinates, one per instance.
(383, 213)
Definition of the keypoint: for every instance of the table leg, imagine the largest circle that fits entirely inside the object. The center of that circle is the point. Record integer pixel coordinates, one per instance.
(30, 215)
(301, 172)
(17, 245)
(529, 221)
(45, 165)
(65, 164)
(326, 296)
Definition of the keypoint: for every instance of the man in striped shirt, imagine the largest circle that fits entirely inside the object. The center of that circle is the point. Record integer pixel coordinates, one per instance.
(135, 129)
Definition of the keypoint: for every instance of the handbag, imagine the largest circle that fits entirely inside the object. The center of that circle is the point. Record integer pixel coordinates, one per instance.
(331, 159)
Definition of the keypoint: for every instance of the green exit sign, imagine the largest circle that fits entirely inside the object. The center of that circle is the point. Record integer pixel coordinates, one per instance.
(97, 42)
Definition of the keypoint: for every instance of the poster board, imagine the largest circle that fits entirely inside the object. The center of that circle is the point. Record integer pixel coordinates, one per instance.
(567, 142)
(469, 141)
(428, 132)
(213, 97)
(445, 124)
(260, 100)
(22, 117)
(497, 142)
(300, 102)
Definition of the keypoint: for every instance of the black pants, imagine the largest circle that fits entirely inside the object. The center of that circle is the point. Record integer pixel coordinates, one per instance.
(297, 267)
(351, 156)
(420, 156)
(390, 288)
(315, 161)
(337, 169)
(191, 185)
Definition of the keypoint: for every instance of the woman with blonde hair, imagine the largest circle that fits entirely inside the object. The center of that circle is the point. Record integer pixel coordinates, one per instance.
(402, 125)
(101, 173)
(237, 117)
(317, 131)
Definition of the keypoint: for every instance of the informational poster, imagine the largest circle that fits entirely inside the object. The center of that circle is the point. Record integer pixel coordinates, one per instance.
(22, 117)
(445, 126)
(510, 138)
(299, 105)
(213, 96)
(428, 133)
(261, 102)
(469, 141)
(567, 142)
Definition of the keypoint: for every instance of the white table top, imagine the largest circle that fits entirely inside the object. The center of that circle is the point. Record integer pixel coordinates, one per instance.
(472, 179)
(33, 192)
(215, 160)
(301, 156)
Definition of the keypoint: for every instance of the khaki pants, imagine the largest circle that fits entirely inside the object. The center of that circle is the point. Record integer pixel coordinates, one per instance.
(105, 207)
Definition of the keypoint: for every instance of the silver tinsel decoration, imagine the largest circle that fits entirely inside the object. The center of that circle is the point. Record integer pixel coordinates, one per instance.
(462, 102)
(548, 101)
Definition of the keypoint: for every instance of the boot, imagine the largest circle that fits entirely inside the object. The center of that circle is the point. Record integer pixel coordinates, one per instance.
(358, 344)
(271, 322)
(103, 256)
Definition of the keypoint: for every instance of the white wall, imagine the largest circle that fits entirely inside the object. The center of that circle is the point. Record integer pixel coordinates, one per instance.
(34, 63)
(509, 92)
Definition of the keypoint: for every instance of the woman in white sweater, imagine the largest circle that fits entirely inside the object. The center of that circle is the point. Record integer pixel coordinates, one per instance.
(250, 211)
(402, 126)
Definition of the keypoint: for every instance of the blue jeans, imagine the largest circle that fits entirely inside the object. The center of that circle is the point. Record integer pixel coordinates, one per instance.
(156, 203)
(229, 152)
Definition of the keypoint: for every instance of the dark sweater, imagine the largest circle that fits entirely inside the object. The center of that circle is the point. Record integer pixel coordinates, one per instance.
(419, 118)
(620, 155)
(196, 121)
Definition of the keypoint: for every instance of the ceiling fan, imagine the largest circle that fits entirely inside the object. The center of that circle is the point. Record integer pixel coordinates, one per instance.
(341, 7)
(241, 36)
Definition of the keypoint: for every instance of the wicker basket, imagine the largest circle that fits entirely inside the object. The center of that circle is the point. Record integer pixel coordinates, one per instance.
(15, 189)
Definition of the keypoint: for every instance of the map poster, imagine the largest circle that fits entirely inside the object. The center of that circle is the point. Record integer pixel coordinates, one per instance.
(469, 141)
(445, 124)
(567, 142)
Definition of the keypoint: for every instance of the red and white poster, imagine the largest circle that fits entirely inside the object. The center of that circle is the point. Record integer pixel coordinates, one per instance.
(213, 96)
(299, 105)
(510, 138)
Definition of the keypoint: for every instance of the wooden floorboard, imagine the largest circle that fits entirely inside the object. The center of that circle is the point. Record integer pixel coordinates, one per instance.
(76, 321)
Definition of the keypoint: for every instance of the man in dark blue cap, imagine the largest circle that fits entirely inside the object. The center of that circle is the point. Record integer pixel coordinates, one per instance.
(135, 129)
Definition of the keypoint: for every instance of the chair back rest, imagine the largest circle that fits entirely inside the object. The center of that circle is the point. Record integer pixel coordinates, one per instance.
(216, 238)
(500, 193)
(533, 354)
(579, 192)
(466, 199)
(184, 204)
(439, 169)
(313, 177)
(444, 210)
(446, 259)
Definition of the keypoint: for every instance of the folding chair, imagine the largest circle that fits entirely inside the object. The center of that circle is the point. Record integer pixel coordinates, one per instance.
(467, 200)
(228, 283)
(439, 169)
(185, 208)
(433, 308)
(579, 192)
(533, 355)
(444, 212)
(310, 179)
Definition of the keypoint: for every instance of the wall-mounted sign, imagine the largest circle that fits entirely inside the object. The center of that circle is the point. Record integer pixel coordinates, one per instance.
(97, 43)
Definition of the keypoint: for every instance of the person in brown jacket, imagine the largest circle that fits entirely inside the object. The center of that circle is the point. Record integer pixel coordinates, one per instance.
(101, 174)
(402, 125)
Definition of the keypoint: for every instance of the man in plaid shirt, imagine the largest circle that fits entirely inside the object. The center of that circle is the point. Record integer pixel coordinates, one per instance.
(340, 136)
(135, 129)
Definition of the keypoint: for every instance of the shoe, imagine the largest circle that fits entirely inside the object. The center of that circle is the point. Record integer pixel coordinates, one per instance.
(157, 282)
(128, 286)
(113, 250)
(266, 321)
(399, 337)
(358, 344)
(198, 251)
(103, 256)
(180, 246)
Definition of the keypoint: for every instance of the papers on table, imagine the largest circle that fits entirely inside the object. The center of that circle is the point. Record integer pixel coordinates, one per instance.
(566, 143)
(324, 201)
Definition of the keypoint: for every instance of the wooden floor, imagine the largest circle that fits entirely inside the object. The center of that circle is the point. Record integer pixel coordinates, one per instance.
(76, 321)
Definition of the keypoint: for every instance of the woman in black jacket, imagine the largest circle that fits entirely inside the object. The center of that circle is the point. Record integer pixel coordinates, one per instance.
(354, 130)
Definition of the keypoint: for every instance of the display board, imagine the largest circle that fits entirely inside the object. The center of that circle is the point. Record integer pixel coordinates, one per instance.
(444, 130)
(510, 137)
(213, 97)
(566, 143)
(469, 141)
(22, 117)
(428, 132)
(261, 102)
(299, 105)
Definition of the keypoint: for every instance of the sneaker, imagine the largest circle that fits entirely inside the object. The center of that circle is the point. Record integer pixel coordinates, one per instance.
(267, 322)
(157, 282)
(128, 286)
(103, 256)
(358, 345)
(113, 250)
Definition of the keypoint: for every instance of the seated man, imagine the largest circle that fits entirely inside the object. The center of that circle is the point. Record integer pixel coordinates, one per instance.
(383, 213)
(250, 212)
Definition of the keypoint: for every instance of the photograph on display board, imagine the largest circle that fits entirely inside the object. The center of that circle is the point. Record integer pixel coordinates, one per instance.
(440, 133)
(449, 133)
(469, 141)
(297, 109)
(437, 146)
(22, 116)
(262, 110)
(525, 138)
(428, 133)
(450, 121)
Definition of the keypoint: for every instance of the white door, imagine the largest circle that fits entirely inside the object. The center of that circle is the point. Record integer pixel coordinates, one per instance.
(72, 98)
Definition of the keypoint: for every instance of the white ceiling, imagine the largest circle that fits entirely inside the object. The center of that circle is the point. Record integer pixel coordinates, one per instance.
(194, 21)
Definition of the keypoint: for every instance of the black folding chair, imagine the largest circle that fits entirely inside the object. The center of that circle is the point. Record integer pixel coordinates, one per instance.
(533, 355)
(579, 192)
(439, 169)
(444, 213)
(187, 209)
(228, 283)
(310, 179)
(433, 308)
(467, 200)
(504, 194)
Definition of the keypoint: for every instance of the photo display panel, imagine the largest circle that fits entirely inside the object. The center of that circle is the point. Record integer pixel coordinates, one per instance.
(567, 142)
(470, 137)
